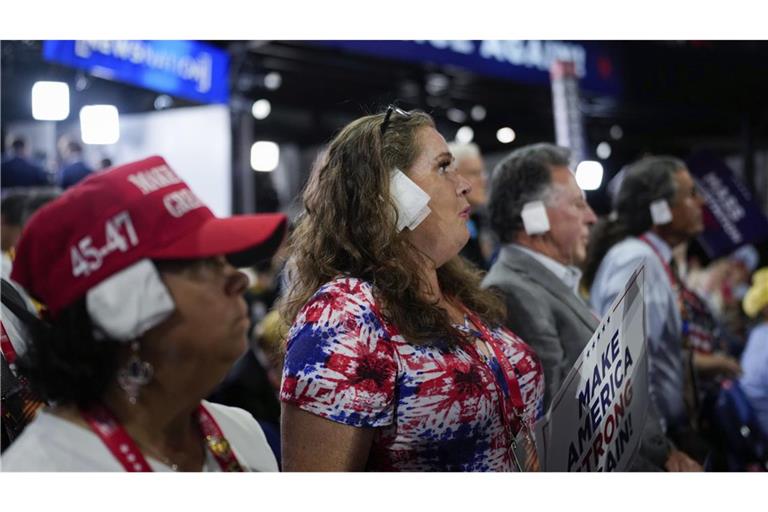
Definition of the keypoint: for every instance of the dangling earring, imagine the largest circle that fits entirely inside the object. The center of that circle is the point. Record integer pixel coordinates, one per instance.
(135, 374)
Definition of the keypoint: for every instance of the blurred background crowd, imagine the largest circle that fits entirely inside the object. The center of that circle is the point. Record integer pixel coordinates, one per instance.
(244, 123)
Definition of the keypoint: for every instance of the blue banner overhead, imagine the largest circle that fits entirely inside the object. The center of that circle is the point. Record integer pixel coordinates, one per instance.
(525, 61)
(187, 69)
(731, 215)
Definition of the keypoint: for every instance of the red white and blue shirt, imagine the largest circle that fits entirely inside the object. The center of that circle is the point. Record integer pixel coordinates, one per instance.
(436, 407)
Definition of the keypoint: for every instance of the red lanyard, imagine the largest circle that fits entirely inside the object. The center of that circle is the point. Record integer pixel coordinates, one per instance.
(513, 408)
(513, 388)
(686, 340)
(698, 324)
(672, 279)
(125, 450)
(9, 353)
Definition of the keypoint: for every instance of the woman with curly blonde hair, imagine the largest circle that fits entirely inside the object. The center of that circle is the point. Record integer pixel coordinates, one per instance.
(396, 359)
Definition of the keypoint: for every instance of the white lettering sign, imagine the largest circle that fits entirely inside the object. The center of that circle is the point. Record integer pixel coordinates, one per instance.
(198, 69)
(724, 206)
(530, 54)
(596, 419)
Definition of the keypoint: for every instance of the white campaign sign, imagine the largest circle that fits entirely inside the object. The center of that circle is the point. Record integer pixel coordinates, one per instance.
(596, 419)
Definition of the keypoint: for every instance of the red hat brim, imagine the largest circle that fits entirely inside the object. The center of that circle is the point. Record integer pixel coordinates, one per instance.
(243, 239)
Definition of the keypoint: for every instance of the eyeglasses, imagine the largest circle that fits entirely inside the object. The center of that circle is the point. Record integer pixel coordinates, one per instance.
(392, 108)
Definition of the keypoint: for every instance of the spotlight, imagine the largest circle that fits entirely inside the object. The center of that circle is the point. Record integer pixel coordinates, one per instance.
(99, 124)
(456, 115)
(603, 151)
(478, 112)
(50, 101)
(265, 155)
(261, 109)
(163, 102)
(589, 175)
(465, 134)
(505, 135)
(273, 80)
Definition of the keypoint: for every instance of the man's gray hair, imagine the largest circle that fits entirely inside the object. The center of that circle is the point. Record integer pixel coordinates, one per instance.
(523, 176)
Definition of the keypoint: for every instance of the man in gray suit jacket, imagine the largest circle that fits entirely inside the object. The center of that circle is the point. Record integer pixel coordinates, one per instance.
(542, 217)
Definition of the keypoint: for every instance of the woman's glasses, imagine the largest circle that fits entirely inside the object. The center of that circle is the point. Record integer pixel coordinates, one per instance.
(388, 115)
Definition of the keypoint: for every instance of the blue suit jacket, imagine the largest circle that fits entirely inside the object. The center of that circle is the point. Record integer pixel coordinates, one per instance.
(72, 173)
(19, 172)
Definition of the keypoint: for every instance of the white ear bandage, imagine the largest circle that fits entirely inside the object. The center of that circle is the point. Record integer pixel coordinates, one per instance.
(130, 302)
(535, 220)
(660, 212)
(411, 201)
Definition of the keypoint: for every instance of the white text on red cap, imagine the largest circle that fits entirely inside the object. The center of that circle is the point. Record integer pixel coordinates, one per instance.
(154, 179)
(181, 201)
(86, 258)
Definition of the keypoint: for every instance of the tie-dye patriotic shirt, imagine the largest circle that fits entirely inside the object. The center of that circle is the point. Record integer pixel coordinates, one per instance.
(436, 408)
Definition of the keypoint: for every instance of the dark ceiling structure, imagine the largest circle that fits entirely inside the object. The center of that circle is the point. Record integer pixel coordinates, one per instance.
(676, 96)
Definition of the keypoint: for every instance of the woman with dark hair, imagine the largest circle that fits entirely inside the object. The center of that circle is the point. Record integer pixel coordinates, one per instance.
(396, 359)
(143, 316)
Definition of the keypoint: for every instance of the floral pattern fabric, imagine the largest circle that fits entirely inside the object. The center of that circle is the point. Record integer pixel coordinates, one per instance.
(436, 407)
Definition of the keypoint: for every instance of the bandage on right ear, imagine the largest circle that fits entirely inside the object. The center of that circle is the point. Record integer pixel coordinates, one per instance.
(129, 303)
(535, 219)
(411, 201)
(660, 212)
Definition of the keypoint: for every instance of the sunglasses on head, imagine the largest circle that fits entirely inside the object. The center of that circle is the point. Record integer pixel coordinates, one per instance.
(390, 109)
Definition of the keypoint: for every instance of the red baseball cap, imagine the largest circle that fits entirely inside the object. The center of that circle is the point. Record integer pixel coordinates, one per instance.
(116, 217)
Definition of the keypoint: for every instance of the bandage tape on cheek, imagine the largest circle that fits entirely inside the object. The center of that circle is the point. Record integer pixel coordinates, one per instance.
(129, 303)
(535, 219)
(660, 212)
(410, 200)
